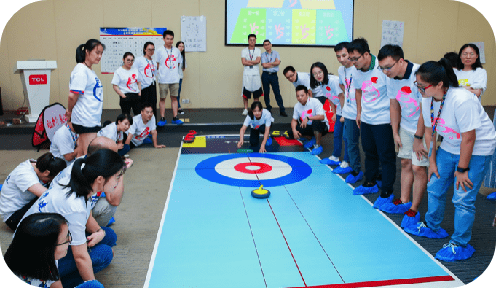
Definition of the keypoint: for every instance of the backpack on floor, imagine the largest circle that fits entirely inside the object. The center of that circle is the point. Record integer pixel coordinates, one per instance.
(49, 120)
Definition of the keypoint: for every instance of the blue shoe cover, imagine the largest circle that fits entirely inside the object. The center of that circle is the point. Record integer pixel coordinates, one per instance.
(491, 196)
(410, 221)
(111, 221)
(177, 122)
(353, 179)
(147, 140)
(420, 229)
(309, 144)
(317, 151)
(269, 141)
(161, 123)
(391, 208)
(379, 183)
(383, 201)
(452, 252)
(360, 190)
(328, 161)
(341, 170)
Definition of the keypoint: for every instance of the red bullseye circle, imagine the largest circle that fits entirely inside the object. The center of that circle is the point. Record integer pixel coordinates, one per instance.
(262, 168)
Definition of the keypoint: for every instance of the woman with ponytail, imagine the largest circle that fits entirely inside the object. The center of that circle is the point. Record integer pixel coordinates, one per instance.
(470, 73)
(25, 184)
(85, 102)
(72, 200)
(462, 159)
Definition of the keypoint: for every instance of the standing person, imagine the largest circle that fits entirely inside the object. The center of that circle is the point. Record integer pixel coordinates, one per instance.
(146, 76)
(490, 180)
(405, 108)
(259, 120)
(250, 58)
(373, 118)
(40, 240)
(127, 85)
(64, 143)
(182, 66)
(168, 76)
(298, 78)
(347, 73)
(25, 184)
(85, 103)
(270, 64)
(143, 125)
(462, 159)
(470, 73)
(309, 119)
(88, 176)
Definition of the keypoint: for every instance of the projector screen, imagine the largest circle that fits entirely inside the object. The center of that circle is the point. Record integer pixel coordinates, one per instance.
(289, 22)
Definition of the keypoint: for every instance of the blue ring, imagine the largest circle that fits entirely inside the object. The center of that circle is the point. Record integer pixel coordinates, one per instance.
(300, 171)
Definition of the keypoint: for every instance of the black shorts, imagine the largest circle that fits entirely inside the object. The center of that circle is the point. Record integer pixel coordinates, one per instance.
(82, 129)
(256, 94)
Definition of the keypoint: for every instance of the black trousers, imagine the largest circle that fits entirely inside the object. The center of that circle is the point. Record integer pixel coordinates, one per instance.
(255, 135)
(271, 79)
(15, 218)
(132, 101)
(149, 95)
(316, 126)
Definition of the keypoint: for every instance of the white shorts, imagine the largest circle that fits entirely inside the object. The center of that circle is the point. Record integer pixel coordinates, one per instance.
(406, 150)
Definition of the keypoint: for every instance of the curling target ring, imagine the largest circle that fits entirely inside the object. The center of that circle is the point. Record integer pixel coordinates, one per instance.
(242, 171)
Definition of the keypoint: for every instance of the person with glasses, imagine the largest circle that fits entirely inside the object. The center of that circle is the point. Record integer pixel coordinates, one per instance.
(462, 159)
(252, 83)
(373, 119)
(147, 76)
(270, 63)
(127, 85)
(89, 175)
(405, 108)
(182, 67)
(470, 73)
(297, 78)
(39, 242)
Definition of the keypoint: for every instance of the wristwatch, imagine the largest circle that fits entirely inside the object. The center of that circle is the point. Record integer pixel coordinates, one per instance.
(308, 119)
(418, 137)
(462, 170)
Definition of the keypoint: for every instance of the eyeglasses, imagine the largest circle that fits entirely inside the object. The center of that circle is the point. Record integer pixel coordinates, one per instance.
(150, 49)
(355, 59)
(386, 68)
(318, 73)
(123, 171)
(420, 88)
(128, 60)
(69, 236)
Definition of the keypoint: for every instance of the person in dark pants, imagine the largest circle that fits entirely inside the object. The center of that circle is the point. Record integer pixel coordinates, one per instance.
(146, 76)
(127, 85)
(270, 64)
(259, 120)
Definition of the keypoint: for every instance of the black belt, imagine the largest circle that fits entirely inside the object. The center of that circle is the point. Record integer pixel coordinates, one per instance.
(270, 73)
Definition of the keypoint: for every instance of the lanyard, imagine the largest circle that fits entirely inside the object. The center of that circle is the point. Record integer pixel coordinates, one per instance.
(169, 58)
(152, 67)
(251, 56)
(267, 56)
(434, 124)
(73, 135)
(347, 86)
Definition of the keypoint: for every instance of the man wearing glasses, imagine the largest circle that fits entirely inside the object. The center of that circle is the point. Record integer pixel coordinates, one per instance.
(373, 119)
(298, 78)
(270, 64)
(406, 107)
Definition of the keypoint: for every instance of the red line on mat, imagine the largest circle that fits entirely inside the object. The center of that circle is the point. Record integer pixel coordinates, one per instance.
(386, 282)
(297, 267)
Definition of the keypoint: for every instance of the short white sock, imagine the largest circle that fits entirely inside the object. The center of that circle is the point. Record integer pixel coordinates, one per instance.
(334, 158)
(344, 164)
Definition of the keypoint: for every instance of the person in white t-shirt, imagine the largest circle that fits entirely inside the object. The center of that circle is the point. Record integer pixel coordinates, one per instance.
(127, 85)
(25, 184)
(252, 83)
(259, 120)
(298, 78)
(64, 143)
(182, 67)
(462, 159)
(39, 242)
(97, 172)
(406, 107)
(85, 104)
(168, 76)
(373, 119)
(115, 131)
(143, 126)
(470, 73)
(146, 76)
(308, 121)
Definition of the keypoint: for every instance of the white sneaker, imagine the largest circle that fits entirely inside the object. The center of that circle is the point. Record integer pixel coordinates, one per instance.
(245, 112)
(344, 165)
(334, 158)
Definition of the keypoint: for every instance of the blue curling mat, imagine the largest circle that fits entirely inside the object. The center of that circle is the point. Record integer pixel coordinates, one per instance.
(311, 232)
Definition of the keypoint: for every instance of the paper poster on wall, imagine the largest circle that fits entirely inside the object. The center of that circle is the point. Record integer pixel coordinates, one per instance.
(194, 33)
(392, 32)
(118, 41)
(482, 56)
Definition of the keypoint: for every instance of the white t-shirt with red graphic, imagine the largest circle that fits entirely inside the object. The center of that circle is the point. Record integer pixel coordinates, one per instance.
(266, 119)
(110, 131)
(375, 102)
(63, 142)
(476, 79)
(302, 78)
(168, 65)
(146, 71)
(88, 109)
(139, 130)
(409, 98)
(127, 80)
(313, 107)
(346, 78)
(462, 112)
(330, 91)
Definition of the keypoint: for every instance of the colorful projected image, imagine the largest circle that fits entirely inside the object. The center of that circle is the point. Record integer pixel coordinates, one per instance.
(290, 22)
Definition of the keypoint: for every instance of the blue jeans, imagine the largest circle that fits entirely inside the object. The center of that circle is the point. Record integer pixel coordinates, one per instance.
(179, 94)
(351, 138)
(101, 255)
(271, 79)
(338, 138)
(464, 201)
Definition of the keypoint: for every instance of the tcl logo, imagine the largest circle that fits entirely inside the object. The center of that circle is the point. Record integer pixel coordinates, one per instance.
(39, 79)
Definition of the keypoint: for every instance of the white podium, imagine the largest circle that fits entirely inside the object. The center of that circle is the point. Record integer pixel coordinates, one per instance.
(35, 78)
